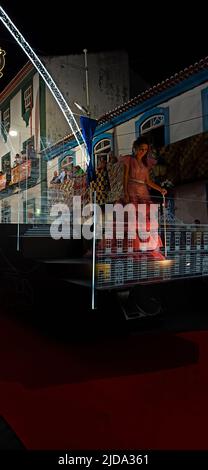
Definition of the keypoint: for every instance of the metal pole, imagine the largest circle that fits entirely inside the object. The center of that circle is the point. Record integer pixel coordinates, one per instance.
(87, 82)
(164, 217)
(18, 220)
(26, 185)
(93, 255)
(18, 214)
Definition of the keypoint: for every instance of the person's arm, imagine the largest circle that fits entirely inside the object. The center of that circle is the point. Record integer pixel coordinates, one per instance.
(153, 185)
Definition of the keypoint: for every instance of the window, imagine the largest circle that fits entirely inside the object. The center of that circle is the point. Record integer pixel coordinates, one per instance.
(6, 213)
(28, 98)
(153, 129)
(27, 101)
(102, 150)
(6, 120)
(27, 145)
(6, 165)
(154, 125)
(66, 162)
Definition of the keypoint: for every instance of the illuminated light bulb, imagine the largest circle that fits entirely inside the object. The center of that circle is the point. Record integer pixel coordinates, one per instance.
(13, 133)
(165, 262)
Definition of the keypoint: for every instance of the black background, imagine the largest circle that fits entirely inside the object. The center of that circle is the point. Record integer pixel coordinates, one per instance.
(159, 40)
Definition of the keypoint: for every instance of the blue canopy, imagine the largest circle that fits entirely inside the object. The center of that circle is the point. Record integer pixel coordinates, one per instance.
(88, 127)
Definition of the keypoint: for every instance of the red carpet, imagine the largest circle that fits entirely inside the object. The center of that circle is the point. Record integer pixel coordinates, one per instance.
(142, 391)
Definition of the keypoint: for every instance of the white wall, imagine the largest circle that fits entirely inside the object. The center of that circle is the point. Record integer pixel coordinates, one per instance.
(185, 115)
(124, 136)
(80, 157)
(56, 125)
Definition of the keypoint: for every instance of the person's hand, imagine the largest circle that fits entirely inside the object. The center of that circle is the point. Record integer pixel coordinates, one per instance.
(163, 191)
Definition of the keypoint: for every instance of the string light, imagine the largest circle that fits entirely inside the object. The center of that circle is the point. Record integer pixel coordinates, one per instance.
(45, 75)
(2, 61)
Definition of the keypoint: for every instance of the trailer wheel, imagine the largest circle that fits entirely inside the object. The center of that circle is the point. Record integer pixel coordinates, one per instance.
(146, 301)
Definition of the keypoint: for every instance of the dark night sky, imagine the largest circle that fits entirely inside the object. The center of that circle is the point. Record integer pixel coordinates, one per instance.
(157, 47)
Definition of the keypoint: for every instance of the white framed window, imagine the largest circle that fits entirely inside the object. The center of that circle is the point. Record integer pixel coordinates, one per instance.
(102, 150)
(6, 119)
(28, 98)
(152, 123)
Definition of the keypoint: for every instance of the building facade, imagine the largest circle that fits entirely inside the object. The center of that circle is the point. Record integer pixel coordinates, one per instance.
(173, 116)
(169, 114)
(31, 121)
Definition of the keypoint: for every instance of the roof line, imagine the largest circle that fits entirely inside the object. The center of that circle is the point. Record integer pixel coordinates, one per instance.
(155, 89)
(16, 80)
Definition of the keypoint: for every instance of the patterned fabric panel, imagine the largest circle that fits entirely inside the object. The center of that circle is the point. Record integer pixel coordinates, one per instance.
(115, 174)
(202, 157)
(187, 160)
(101, 186)
(171, 155)
(67, 186)
(64, 192)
